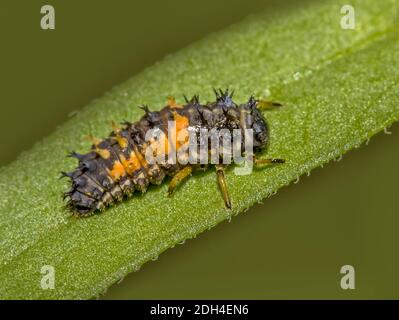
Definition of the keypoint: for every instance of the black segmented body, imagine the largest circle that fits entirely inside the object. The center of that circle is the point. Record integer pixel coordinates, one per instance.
(116, 167)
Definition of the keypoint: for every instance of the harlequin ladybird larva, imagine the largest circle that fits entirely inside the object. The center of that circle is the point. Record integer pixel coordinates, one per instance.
(119, 165)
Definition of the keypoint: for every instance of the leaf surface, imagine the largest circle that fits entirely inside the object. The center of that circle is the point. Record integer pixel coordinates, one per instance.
(339, 87)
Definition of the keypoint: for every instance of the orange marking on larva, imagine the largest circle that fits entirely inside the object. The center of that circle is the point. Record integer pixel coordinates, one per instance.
(123, 161)
(182, 124)
(173, 104)
(131, 164)
(95, 141)
(121, 141)
(143, 163)
(181, 121)
(115, 127)
(182, 138)
(103, 153)
(117, 170)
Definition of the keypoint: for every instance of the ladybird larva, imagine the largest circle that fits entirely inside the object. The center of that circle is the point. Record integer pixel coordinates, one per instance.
(118, 166)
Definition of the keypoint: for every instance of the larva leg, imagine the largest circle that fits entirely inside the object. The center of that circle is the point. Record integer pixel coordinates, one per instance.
(223, 185)
(259, 162)
(264, 105)
(178, 178)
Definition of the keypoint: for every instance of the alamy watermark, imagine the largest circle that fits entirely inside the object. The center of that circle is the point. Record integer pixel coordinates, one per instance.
(348, 280)
(348, 20)
(47, 21)
(47, 281)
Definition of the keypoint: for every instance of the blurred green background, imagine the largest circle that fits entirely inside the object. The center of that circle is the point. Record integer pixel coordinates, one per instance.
(293, 245)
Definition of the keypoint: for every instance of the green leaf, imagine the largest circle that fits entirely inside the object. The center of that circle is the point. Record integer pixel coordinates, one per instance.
(339, 87)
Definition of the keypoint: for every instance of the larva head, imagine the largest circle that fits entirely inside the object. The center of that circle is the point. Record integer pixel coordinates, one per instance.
(255, 120)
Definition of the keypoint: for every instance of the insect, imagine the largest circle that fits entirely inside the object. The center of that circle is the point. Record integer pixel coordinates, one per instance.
(117, 166)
